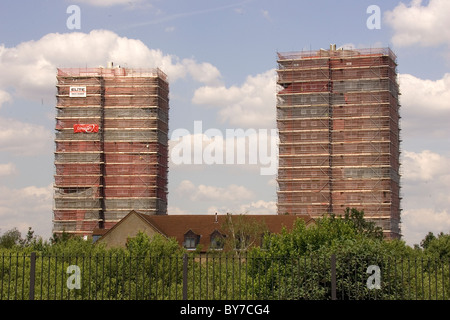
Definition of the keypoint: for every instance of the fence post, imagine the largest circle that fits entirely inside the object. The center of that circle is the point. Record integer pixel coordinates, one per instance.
(333, 277)
(185, 275)
(32, 274)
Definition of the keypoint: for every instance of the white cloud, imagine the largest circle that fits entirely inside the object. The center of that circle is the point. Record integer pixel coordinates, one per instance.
(426, 180)
(416, 223)
(26, 207)
(175, 210)
(426, 25)
(7, 169)
(423, 95)
(25, 139)
(254, 207)
(251, 105)
(259, 207)
(425, 110)
(266, 15)
(202, 72)
(30, 67)
(426, 201)
(186, 187)
(425, 106)
(232, 198)
(4, 97)
(352, 46)
(424, 166)
(230, 193)
(272, 182)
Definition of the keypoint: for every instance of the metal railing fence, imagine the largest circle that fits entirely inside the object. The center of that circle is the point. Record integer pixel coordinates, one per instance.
(216, 276)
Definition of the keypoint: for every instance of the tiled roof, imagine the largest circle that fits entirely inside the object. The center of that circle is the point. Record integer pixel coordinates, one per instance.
(204, 225)
(176, 226)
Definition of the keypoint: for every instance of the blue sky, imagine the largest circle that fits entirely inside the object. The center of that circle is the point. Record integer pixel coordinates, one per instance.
(220, 57)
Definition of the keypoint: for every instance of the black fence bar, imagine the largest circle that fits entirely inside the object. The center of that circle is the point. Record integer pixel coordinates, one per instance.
(333, 277)
(32, 275)
(185, 276)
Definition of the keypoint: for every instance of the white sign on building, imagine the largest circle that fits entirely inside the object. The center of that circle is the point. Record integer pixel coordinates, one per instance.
(76, 92)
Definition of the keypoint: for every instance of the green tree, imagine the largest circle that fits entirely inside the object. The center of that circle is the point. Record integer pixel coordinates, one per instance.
(438, 247)
(157, 245)
(242, 232)
(63, 237)
(430, 237)
(297, 265)
(303, 240)
(30, 239)
(10, 239)
(362, 225)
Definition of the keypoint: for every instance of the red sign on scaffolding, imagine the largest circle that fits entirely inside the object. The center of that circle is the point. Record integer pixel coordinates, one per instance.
(85, 128)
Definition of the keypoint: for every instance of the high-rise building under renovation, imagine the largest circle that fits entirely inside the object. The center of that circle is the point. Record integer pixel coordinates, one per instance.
(338, 121)
(111, 153)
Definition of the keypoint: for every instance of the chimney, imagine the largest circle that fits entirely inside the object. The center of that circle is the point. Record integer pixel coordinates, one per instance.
(215, 218)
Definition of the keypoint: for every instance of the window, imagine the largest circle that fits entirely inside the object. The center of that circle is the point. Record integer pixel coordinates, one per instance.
(217, 240)
(191, 240)
(242, 242)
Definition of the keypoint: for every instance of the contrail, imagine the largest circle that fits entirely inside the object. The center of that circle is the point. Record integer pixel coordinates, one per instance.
(183, 15)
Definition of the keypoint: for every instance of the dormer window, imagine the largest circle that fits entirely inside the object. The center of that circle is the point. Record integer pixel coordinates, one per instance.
(191, 240)
(217, 240)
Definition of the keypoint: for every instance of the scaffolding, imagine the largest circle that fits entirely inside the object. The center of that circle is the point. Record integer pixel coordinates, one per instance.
(121, 163)
(338, 120)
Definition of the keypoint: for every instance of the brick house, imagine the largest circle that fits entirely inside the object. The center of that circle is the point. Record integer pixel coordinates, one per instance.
(191, 231)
